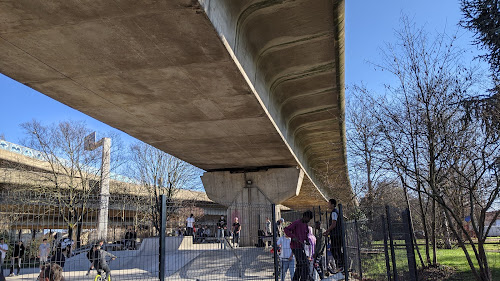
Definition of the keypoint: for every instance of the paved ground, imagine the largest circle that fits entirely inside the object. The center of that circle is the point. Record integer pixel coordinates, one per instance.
(202, 262)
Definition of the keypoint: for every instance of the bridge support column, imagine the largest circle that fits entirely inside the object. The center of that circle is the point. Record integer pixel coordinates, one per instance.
(249, 195)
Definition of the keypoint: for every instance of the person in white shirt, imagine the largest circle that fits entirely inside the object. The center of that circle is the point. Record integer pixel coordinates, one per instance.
(287, 260)
(3, 250)
(190, 225)
(43, 252)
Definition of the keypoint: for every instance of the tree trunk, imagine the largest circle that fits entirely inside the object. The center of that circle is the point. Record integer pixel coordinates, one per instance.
(434, 242)
(78, 235)
(484, 268)
(446, 233)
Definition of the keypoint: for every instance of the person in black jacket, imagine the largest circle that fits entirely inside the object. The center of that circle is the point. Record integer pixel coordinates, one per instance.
(17, 256)
(92, 255)
(63, 250)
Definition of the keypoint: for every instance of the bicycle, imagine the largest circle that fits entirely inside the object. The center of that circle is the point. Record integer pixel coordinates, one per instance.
(106, 277)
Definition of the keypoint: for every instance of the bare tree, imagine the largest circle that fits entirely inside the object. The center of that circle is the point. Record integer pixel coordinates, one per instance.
(365, 144)
(436, 151)
(161, 174)
(73, 174)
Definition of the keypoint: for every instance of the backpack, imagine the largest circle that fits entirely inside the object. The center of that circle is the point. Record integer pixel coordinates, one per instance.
(90, 255)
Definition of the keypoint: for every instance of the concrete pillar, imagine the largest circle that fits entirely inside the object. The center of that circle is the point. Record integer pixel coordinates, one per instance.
(249, 195)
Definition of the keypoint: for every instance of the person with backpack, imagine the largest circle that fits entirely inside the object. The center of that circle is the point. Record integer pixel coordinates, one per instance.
(335, 235)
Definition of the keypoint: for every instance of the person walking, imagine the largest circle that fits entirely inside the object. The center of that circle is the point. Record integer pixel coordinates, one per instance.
(16, 258)
(221, 228)
(190, 225)
(335, 235)
(298, 231)
(236, 232)
(43, 252)
(92, 256)
(319, 250)
(287, 261)
(3, 252)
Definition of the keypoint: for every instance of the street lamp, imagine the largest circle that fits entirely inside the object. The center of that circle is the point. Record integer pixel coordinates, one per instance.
(91, 144)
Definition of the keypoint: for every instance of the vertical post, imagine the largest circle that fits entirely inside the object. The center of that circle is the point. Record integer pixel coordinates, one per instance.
(410, 249)
(344, 244)
(391, 239)
(91, 144)
(359, 249)
(275, 246)
(163, 218)
(386, 250)
(105, 170)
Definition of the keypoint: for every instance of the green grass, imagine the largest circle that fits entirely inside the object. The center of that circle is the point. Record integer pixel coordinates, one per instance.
(456, 258)
(374, 264)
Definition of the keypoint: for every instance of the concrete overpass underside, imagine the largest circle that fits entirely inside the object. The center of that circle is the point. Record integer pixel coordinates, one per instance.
(224, 85)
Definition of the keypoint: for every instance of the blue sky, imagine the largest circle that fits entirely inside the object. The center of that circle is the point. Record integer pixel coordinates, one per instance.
(368, 25)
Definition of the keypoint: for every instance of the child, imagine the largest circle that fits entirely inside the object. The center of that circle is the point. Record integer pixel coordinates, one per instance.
(100, 262)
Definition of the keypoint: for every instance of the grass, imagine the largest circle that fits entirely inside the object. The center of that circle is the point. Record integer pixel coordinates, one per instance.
(456, 258)
(374, 264)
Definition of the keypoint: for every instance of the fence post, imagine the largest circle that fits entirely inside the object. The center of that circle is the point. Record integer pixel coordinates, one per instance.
(391, 239)
(410, 248)
(386, 250)
(359, 249)
(163, 218)
(344, 244)
(275, 246)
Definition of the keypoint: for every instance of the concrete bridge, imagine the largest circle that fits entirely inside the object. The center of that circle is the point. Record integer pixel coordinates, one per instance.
(250, 91)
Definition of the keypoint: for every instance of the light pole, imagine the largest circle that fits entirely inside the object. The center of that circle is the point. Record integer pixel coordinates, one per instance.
(91, 144)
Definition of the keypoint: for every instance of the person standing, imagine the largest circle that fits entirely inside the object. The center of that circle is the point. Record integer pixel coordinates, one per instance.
(16, 258)
(128, 239)
(43, 252)
(319, 249)
(236, 232)
(309, 249)
(287, 261)
(297, 231)
(3, 252)
(269, 230)
(221, 228)
(335, 235)
(190, 225)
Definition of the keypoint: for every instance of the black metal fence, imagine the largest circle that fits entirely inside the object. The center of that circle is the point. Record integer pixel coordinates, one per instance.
(220, 242)
(383, 249)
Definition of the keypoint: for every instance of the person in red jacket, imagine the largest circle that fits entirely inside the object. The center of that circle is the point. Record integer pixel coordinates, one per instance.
(298, 231)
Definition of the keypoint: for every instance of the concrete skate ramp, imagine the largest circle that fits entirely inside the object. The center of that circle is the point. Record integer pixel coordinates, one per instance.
(179, 252)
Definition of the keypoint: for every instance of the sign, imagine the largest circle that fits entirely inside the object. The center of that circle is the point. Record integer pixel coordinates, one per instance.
(89, 142)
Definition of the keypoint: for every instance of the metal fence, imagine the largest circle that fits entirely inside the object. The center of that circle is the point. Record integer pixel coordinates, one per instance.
(40, 228)
(382, 249)
(225, 242)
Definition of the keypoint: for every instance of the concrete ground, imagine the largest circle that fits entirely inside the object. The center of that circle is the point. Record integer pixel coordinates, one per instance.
(189, 262)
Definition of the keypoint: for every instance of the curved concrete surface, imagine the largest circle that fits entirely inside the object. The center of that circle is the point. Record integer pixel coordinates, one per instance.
(221, 84)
